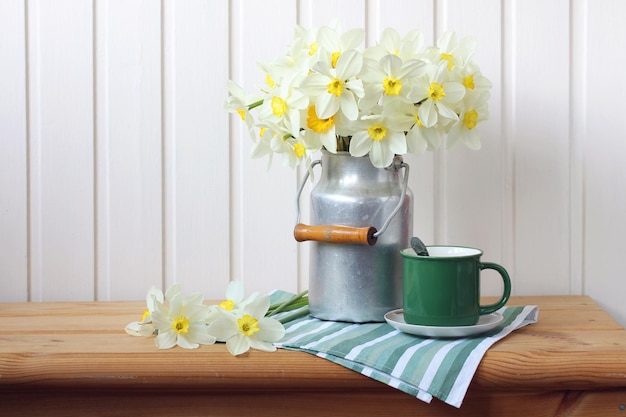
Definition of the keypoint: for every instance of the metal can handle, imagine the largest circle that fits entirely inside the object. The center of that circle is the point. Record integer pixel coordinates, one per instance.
(367, 235)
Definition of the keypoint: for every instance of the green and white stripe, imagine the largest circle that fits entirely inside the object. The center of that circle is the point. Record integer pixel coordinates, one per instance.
(421, 367)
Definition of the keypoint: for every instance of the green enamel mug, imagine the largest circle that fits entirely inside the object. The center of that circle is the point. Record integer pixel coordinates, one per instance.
(443, 289)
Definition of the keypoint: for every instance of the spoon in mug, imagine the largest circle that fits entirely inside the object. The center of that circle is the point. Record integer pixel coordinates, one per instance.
(419, 247)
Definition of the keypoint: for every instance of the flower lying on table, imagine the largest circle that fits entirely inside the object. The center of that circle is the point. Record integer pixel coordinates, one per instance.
(184, 320)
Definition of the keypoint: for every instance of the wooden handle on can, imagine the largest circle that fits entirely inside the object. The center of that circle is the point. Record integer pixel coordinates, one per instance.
(335, 234)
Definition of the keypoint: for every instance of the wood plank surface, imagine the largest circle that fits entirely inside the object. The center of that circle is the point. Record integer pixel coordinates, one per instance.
(572, 361)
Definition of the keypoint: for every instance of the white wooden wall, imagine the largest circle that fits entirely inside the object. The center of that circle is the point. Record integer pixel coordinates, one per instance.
(119, 168)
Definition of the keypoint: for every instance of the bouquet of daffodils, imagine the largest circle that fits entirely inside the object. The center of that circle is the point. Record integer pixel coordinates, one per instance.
(389, 99)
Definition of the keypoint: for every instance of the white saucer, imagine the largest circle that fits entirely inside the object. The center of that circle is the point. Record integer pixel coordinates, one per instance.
(485, 323)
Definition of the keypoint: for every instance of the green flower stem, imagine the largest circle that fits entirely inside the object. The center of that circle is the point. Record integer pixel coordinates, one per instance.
(297, 301)
(294, 315)
(255, 104)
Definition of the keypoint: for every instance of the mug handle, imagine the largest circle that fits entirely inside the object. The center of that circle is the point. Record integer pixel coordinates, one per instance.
(507, 288)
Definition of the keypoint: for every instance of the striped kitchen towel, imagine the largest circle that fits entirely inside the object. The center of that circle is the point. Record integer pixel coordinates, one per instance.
(421, 367)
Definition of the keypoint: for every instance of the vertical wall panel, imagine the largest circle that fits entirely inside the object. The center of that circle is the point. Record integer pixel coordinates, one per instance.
(473, 187)
(264, 252)
(540, 123)
(13, 153)
(61, 149)
(579, 32)
(347, 14)
(128, 138)
(605, 160)
(197, 147)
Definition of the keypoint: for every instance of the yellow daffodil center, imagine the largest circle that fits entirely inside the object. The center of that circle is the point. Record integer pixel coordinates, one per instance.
(436, 91)
(336, 87)
(242, 114)
(468, 82)
(316, 124)
(334, 57)
(269, 80)
(248, 325)
(392, 86)
(470, 119)
(279, 106)
(377, 132)
(449, 58)
(145, 315)
(262, 131)
(313, 48)
(181, 325)
(227, 305)
(418, 121)
(299, 149)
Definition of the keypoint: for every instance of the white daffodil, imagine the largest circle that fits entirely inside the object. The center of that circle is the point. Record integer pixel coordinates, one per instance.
(437, 96)
(389, 78)
(235, 300)
(182, 322)
(464, 130)
(261, 146)
(471, 78)
(239, 103)
(419, 138)
(249, 329)
(336, 88)
(379, 137)
(293, 149)
(405, 48)
(305, 47)
(333, 45)
(145, 327)
(282, 105)
(320, 132)
(453, 51)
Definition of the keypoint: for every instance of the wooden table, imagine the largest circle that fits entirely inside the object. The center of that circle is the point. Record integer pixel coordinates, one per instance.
(75, 359)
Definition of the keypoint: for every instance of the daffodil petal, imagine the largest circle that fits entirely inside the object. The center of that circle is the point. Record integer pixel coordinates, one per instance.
(454, 92)
(348, 106)
(166, 340)
(262, 345)
(154, 295)
(185, 342)
(396, 143)
(238, 344)
(446, 111)
(235, 291)
(172, 291)
(380, 155)
(416, 143)
(271, 330)
(258, 307)
(360, 144)
(223, 328)
(349, 64)
(326, 105)
(329, 140)
(352, 38)
(472, 140)
(427, 113)
(134, 328)
(199, 333)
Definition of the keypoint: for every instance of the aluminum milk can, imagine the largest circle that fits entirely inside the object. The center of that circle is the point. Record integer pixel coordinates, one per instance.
(361, 218)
